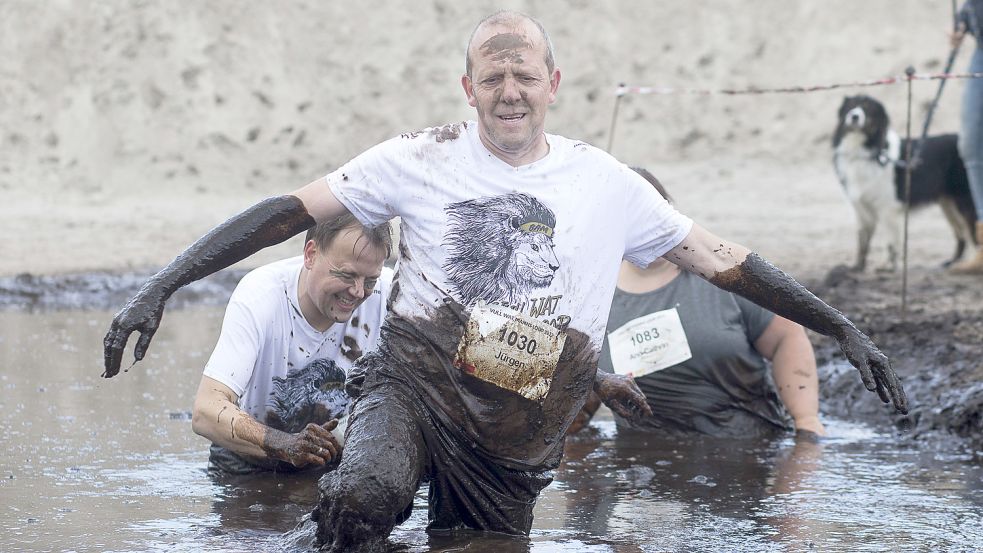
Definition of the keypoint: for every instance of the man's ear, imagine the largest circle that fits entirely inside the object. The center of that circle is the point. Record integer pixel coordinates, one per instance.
(310, 252)
(554, 84)
(468, 90)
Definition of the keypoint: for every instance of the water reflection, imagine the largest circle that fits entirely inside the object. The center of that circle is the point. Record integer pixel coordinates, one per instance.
(94, 465)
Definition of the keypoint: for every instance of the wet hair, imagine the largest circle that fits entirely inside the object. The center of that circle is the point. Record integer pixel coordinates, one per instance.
(323, 234)
(511, 18)
(653, 181)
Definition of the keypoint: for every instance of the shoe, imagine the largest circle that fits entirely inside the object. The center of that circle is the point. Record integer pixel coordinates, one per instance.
(974, 265)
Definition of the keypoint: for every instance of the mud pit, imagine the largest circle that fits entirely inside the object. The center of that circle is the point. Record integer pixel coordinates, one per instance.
(84, 452)
(936, 348)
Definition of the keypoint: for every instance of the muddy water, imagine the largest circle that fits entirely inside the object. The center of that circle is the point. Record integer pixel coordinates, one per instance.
(89, 464)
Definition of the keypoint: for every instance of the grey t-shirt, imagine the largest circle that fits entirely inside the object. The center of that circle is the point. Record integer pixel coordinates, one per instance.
(725, 388)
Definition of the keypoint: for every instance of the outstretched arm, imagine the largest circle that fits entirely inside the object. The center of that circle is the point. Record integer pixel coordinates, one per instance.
(734, 268)
(265, 224)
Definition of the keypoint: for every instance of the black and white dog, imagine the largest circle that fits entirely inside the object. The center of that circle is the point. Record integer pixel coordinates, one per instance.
(866, 154)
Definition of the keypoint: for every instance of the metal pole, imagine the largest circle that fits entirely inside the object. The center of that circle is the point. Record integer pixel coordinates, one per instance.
(938, 93)
(614, 117)
(907, 201)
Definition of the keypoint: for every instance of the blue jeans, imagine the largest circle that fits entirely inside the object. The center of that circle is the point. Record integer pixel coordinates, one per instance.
(971, 134)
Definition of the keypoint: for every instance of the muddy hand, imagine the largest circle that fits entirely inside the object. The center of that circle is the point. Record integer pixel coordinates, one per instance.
(875, 369)
(585, 414)
(621, 395)
(314, 445)
(142, 313)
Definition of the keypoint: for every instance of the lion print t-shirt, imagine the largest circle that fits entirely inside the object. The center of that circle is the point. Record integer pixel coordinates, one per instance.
(505, 275)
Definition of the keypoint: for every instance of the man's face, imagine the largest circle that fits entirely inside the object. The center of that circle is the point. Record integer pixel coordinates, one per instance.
(340, 279)
(511, 87)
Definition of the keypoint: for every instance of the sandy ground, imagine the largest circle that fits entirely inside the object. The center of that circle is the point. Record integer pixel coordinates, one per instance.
(130, 128)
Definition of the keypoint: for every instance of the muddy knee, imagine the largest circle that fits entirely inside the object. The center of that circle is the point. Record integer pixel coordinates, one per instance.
(357, 511)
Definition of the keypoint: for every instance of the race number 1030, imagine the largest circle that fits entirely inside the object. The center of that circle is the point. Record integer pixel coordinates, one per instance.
(517, 340)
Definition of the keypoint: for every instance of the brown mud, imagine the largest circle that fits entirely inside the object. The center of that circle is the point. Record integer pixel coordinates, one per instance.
(105, 290)
(936, 347)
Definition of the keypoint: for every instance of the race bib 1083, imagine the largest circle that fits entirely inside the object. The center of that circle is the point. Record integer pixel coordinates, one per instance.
(648, 344)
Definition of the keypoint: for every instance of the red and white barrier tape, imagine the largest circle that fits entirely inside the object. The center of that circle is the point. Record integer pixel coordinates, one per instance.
(624, 90)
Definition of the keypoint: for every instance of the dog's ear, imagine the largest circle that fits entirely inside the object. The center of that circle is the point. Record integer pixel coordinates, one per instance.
(838, 134)
(840, 115)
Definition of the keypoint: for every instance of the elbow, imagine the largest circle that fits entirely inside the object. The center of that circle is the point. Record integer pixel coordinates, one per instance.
(198, 424)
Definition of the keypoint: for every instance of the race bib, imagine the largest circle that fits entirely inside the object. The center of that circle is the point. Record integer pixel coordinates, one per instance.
(510, 350)
(648, 344)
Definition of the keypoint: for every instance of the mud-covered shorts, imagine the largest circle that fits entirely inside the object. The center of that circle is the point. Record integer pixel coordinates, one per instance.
(393, 444)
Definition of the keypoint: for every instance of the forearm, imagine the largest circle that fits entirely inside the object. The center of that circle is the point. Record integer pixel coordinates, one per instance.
(265, 224)
(794, 369)
(766, 285)
(225, 424)
(736, 269)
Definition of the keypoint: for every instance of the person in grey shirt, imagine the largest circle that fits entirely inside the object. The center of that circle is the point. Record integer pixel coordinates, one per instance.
(699, 354)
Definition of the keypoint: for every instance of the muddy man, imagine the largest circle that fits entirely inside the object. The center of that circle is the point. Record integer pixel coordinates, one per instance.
(273, 391)
(499, 218)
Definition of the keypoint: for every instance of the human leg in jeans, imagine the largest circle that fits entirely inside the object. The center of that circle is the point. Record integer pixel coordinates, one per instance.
(971, 150)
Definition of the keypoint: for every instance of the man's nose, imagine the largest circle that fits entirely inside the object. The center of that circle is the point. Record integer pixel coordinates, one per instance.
(357, 289)
(510, 91)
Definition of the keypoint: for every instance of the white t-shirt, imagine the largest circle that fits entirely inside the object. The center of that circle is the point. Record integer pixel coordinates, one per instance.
(266, 348)
(545, 239)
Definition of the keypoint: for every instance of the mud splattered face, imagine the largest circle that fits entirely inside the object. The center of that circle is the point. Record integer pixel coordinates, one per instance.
(339, 279)
(511, 88)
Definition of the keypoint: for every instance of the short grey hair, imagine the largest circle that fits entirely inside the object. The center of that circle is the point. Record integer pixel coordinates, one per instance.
(510, 17)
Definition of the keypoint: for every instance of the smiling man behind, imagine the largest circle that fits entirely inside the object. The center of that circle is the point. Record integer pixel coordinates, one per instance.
(273, 389)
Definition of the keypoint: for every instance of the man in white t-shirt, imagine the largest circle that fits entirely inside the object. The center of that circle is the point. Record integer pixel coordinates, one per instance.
(510, 243)
(273, 389)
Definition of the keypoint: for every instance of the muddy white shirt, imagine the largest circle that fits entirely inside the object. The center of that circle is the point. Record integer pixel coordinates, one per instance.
(266, 348)
(544, 239)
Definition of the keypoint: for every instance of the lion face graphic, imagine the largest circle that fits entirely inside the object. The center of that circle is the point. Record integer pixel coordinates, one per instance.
(533, 260)
(313, 394)
(500, 248)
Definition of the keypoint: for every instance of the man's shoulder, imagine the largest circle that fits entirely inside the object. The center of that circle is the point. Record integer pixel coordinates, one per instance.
(270, 276)
(579, 150)
(448, 133)
(408, 147)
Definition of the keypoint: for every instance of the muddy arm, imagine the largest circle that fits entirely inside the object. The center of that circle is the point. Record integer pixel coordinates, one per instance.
(265, 224)
(217, 417)
(734, 268)
(793, 363)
